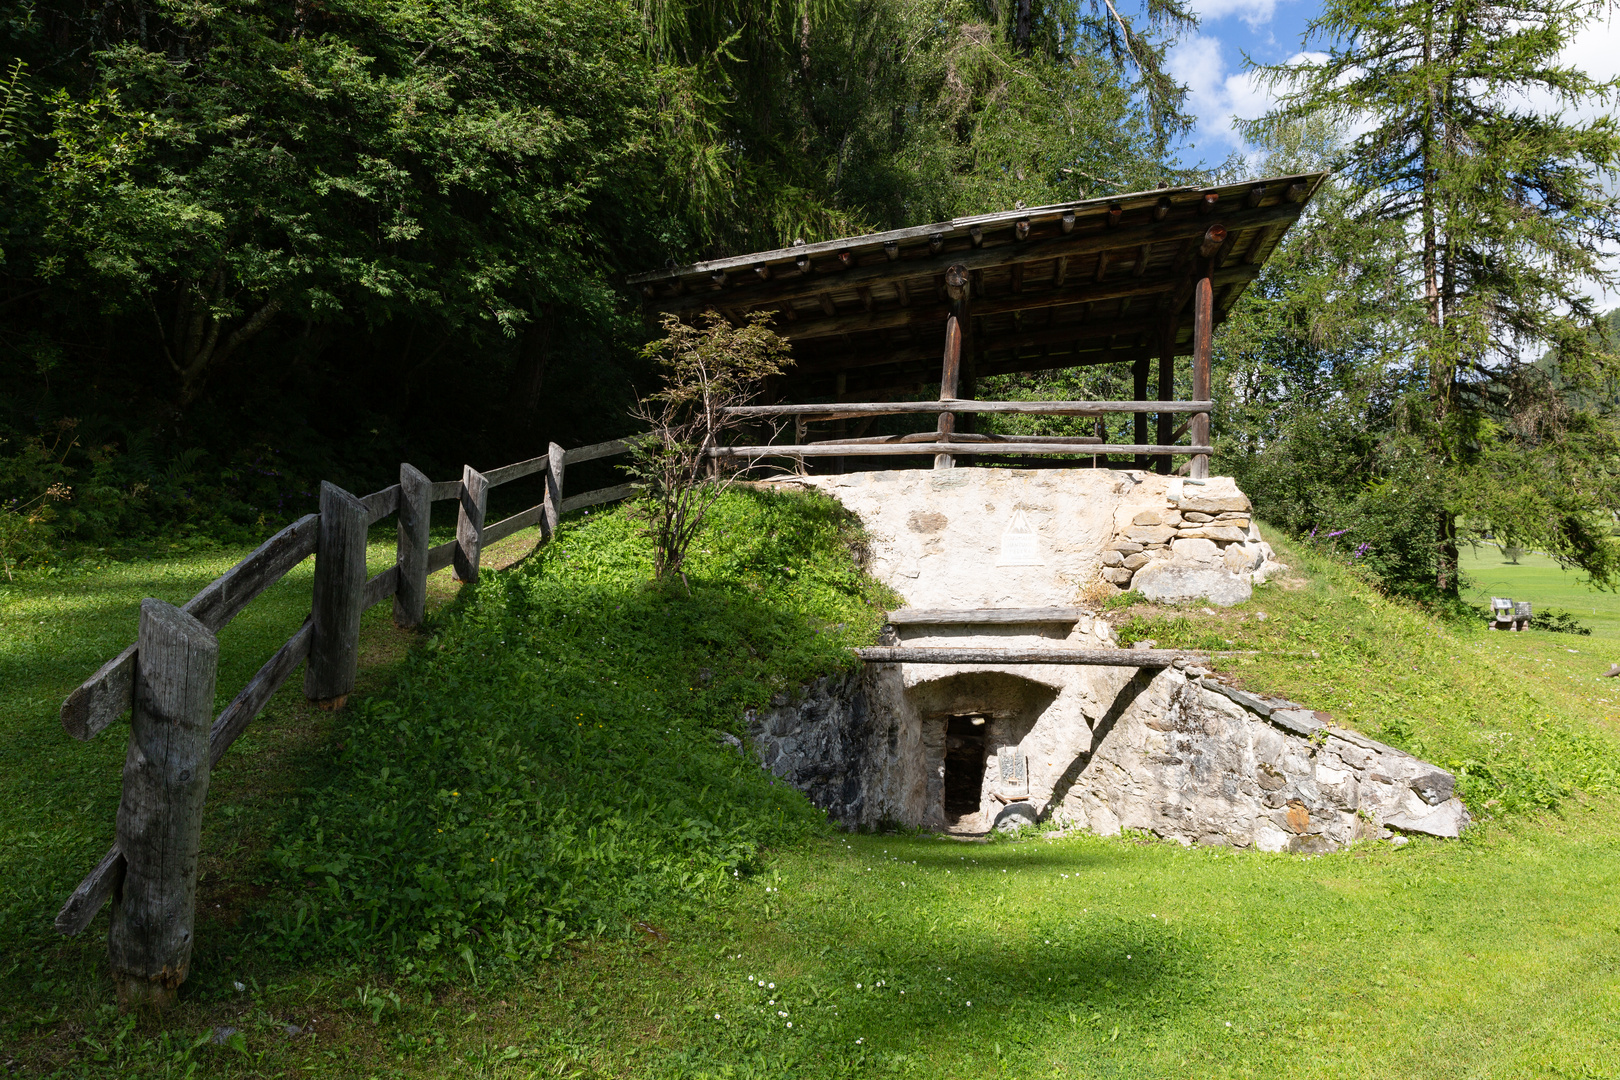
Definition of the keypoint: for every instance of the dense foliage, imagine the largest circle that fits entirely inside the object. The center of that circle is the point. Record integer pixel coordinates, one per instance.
(246, 248)
(551, 764)
(1382, 380)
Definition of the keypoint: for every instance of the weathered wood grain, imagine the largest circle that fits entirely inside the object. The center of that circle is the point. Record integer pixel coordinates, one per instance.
(951, 368)
(379, 504)
(441, 556)
(514, 524)
(446, 489)
(598, 497)
(912, 449)
(1039, 408)
(983, 616)
(595, 450)
(411, 550)
(506, 473)
(108, 694)
(470, 523)
(248, 704)
(94, 891)
(99, 884)
(160, 815)
(554, 492)
(1148, 658)
(1203, 328)
(102, 698)
(340, 581)
(380, 587)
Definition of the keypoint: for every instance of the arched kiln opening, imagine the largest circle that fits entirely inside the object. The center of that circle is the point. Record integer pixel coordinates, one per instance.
(974, 725)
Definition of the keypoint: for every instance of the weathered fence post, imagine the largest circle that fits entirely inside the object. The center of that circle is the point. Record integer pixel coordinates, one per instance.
(160, 815)
(414, 515)
(956, 326)
(554, 491)
(1167, 389)
(1203, 327)
(470, 523)
(339, 600)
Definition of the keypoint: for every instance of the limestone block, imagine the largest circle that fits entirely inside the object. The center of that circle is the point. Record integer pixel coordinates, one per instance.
(1150, 534)
(1195, 549)
(1133, 562)
(1114, 558)
(1446, 820)
(1194, 515)
(1215, 504)
(1222, 533)
(1237, 560)
(1148, 517)
(1240, 521)
(1267, 838)
(1124, 547)
(1117, 575)
(1176, 582)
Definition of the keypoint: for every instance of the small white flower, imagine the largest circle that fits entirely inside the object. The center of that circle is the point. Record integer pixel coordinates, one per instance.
(717, 1016)
(773, 985)
(857, 986)
(780, 1013)
(970, 1004)
(790, 1023)
(860, 1040)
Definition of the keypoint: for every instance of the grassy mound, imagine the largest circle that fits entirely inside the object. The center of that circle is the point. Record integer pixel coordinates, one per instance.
(549, 764)
(1463, 698)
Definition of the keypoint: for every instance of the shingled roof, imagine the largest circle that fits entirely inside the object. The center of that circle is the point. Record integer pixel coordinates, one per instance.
(1081, 283)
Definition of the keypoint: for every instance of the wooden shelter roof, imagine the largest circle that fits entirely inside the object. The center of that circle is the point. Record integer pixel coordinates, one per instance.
(1088, 282)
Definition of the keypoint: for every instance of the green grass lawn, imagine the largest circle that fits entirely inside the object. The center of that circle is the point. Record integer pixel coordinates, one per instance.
(820, 954)
(1544, 583)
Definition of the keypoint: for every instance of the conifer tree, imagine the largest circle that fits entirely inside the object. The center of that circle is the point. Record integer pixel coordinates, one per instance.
(1470, 143)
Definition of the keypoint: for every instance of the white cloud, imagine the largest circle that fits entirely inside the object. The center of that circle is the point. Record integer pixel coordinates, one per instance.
(1216, 96)
(1254, 12)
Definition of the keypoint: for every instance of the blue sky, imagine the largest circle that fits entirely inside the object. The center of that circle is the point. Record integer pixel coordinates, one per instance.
(1210, 63)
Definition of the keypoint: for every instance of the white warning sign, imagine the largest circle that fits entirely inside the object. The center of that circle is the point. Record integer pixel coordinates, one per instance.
(1020, 546)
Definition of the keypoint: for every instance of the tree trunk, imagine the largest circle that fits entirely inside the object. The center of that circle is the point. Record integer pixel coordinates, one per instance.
(1022, 28)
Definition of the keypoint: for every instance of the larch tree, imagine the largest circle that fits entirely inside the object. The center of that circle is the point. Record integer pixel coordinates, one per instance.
(1470, 144)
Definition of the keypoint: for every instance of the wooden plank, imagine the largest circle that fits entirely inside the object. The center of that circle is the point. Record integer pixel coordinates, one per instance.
(983, 616)
(1139, 658)
(160, 814)
(554, 493)
(497, 477)
(470, 523)
(446, 489)
(516, 523)
(952, 367)
(98, 885)
(907, 408)
(379, 504)
(340, 582)
(912, 449)
(379, 588)
(107, 695)
(596, 450)
(441, 556)
(411, 546)
(957, 437)
(102, 698)
(1203, 328)
(221, 599)
(247, 705)
(1139, 387)
(766, 294)
(93, 891)
(599, 496)
(1167, 390)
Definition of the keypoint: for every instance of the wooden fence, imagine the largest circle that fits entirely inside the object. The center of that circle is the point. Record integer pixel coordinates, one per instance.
(166, 682)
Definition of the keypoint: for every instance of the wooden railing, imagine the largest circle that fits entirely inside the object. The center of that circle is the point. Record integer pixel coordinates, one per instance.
(166, 681)
(946, 441)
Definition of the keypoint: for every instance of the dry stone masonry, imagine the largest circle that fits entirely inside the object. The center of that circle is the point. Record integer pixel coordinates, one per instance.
(1173, 752)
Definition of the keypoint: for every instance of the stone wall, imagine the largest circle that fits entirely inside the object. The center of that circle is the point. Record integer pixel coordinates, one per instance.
(1175, 753)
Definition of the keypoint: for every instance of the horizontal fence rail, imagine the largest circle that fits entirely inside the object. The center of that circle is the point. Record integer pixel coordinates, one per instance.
(845, 410)
(150, 945)
(1022, 449)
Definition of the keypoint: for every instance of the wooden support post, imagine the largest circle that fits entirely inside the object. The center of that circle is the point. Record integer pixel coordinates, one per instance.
(1167, 390)
(1203, 327)
(339, 598)
(1139, 386)
(470, 523)
(956, 326)
(415, 513)
(160, 815)
(554, 493)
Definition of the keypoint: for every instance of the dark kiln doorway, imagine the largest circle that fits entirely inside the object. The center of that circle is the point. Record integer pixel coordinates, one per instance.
(964, 766)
